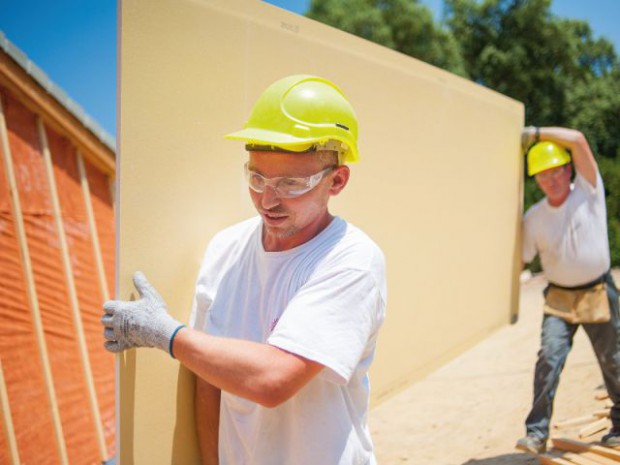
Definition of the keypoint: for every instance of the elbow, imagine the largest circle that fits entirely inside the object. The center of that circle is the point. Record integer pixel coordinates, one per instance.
(274, 393)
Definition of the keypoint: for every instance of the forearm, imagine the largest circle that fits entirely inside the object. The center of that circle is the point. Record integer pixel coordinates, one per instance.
(257, 372)
(207, 405)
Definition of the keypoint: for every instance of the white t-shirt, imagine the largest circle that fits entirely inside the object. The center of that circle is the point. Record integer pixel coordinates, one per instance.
(323, 300)
(572, 238)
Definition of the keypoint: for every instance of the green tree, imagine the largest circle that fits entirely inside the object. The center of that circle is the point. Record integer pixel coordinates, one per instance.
(403, 25)
(563, 75)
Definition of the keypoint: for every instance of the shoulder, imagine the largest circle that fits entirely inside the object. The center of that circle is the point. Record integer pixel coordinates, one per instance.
(355, 248)
(229, 241)
(534, 211)
(583, 184)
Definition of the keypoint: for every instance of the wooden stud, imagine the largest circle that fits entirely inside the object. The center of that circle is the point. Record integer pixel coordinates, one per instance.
(580, 459)
(604, 413)
(546, 459)
(103, 283)
(594, 427)
(8, 421)
(572, 445)
(601, 395)
(33, 301)
(574, 421)
(600, 459)
(72, 293)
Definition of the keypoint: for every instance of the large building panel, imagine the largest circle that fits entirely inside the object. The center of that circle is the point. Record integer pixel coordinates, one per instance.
(438, 187)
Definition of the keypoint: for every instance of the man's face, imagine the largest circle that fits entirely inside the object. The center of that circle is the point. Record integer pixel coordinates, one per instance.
(555, 183)
(290, 222)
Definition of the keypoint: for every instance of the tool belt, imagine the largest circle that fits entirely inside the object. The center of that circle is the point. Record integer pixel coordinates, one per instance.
(587, 303)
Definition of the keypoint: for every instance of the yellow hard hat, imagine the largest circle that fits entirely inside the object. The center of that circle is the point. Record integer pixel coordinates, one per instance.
(545, 155)
(301, 113)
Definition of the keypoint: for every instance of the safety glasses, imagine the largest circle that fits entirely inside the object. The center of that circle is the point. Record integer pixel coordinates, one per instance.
(285, 187)
(551, 174)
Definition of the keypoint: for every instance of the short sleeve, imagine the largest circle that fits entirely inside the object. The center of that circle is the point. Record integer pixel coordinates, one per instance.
(589, 189)
(202, 299)
(333, 320)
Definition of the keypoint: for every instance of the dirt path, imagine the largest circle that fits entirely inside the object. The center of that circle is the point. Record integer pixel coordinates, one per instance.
(471, 411)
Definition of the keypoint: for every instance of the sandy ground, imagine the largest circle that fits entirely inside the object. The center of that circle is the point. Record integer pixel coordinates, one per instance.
(471, 411)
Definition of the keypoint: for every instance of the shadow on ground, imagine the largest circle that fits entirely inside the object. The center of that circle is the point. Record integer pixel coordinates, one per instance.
(506, 459)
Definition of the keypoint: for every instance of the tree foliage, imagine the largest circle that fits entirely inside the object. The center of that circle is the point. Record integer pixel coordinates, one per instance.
(555, 66)
(402, 25)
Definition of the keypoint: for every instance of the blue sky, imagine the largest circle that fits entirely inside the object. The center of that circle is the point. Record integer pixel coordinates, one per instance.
(74, 41)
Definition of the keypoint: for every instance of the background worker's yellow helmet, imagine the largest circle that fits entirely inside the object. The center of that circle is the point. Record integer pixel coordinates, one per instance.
(302, 113)
(545, 155)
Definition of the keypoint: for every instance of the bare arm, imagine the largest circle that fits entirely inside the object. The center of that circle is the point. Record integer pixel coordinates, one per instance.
(575, 141)
(259, 372)
(207, 405)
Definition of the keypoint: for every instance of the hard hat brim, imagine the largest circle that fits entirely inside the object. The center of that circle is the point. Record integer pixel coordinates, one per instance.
(285, 141)
(266, 137)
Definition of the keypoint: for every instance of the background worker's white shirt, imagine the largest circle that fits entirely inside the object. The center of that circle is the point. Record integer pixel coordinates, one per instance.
(572, 238)
(325, 301)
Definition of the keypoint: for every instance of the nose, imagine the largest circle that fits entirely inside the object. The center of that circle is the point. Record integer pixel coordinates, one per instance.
(269, 198)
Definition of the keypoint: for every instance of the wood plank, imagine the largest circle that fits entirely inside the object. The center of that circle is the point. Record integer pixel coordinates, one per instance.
(92, 224)
(601, 395)
(575, 421)
(546, 459)
(580, 459)
(595, 427)
(572, 445)
(600, 459)
(7, 420)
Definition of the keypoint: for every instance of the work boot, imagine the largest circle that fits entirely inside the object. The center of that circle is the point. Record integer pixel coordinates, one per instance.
(532, 444)
(612, 439)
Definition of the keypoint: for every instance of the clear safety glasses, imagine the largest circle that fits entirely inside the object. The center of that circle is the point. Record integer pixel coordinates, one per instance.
(551, 174)
(285, 187)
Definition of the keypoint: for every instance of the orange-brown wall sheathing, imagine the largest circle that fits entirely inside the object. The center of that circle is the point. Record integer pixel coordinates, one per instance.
(30, 408)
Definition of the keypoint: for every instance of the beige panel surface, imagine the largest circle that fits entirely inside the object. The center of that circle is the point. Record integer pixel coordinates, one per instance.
(438, 187)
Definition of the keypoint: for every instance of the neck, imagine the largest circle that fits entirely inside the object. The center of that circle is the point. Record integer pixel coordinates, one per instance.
(557, 201)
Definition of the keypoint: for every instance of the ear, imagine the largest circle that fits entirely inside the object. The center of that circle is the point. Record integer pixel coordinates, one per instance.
(339, 179)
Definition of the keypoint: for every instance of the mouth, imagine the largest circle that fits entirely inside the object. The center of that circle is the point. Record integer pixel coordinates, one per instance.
(274, 219)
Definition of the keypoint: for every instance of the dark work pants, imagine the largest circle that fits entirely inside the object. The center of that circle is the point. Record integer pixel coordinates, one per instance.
(556, 342)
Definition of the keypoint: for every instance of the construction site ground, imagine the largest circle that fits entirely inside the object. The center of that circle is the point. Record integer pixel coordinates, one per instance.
(472, 410)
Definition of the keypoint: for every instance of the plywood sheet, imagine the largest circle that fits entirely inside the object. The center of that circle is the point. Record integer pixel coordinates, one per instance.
(438, 187)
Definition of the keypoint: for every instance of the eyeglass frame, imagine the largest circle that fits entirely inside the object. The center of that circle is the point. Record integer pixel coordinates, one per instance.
(310, 181)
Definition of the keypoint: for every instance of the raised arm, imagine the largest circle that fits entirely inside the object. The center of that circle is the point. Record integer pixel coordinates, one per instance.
(583, 158)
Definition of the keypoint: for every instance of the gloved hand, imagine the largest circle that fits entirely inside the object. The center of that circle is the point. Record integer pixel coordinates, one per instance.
(139, 323)
(529, 136)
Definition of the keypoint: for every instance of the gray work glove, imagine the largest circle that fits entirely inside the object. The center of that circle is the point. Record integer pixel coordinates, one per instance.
(139, 323)
(529, 136)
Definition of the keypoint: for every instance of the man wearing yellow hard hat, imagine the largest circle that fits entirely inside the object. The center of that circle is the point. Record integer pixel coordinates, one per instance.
(568, 230)
(288, 304)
